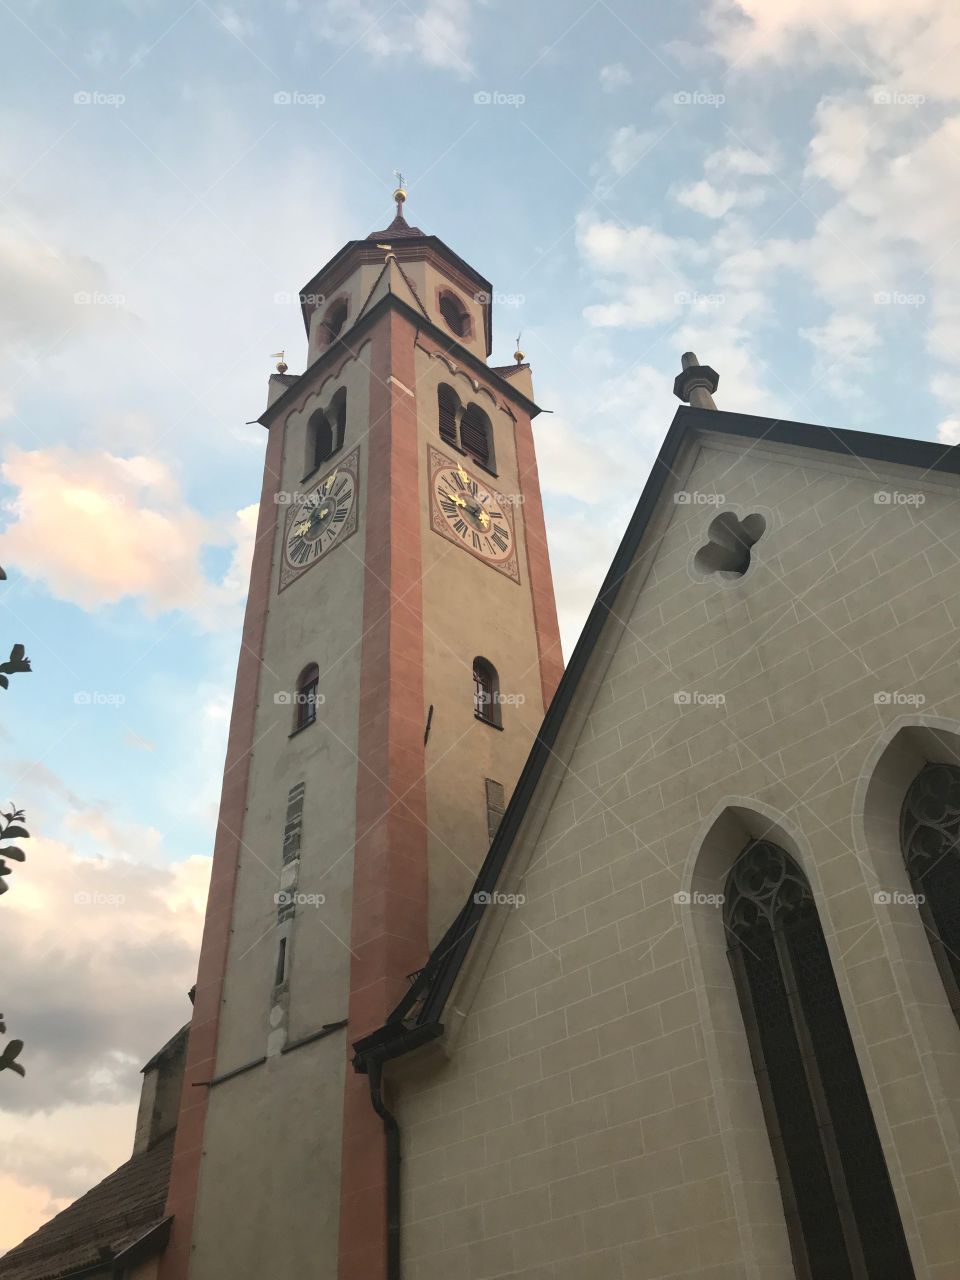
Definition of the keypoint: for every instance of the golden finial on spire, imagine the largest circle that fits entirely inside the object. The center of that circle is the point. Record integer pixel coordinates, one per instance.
(282, 366)
(400, 194)
(518, 354)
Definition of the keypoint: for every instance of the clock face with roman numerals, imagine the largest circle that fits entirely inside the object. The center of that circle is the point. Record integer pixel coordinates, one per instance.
(472, 515)
(320, 519)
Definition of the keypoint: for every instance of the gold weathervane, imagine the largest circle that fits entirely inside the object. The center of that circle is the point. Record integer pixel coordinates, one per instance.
(282, 365)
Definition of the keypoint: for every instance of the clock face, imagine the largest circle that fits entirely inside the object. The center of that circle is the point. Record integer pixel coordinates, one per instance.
(319, 519)
(472, 515)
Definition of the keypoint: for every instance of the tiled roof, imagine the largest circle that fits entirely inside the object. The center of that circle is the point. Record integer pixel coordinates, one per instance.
(397, 230)
(111, 1216)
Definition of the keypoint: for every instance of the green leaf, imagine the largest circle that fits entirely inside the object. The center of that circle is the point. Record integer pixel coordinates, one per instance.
(16, 854)
(14, 833)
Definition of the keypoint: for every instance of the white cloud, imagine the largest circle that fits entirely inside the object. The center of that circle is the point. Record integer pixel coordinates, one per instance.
(96, 528)
(719, 191)
(627, 148)
(904, 43)
(948, 431)
(39, 288)
(843, 347)
(615, 76)
(438, 35)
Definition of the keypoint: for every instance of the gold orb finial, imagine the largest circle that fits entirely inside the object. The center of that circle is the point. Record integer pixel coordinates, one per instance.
(401, 192)
(282, 366)
(518, 354)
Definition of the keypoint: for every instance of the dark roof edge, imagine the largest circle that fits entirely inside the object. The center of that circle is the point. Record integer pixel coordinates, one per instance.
(434, 241)
(435, 980)
(342, 348)
(153, 1241)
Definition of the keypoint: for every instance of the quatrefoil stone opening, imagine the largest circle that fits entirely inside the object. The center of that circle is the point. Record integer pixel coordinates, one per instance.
(727, 553)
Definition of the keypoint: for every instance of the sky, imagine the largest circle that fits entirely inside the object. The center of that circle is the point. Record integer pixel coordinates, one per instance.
(774, 184)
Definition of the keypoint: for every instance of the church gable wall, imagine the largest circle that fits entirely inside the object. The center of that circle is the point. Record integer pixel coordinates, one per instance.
(598, 1115)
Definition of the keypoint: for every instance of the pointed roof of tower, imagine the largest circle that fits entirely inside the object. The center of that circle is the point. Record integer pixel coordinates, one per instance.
(398, 229)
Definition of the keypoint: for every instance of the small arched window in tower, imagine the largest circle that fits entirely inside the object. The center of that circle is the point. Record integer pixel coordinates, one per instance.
(930, 842)
(486, 692)
(448, 409)
(455, 314)
(326, 431)
(476, 435)
(838, 1202)
(337, 413)
(319, 440)
(334, 320)
(305, 711)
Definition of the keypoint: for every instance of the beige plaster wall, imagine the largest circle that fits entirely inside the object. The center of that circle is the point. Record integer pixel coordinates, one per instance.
(269, 1199)
(598, 1116)
(257, 1124)
(470, 610)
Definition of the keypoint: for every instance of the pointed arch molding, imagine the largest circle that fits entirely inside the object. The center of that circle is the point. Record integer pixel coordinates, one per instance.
(718, 843)
(900, 752)
(320, 395)
(477, 388)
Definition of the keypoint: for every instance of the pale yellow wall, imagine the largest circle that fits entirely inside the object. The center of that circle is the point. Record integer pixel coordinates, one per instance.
(599, 1117)
(355, 289)
(278, 1127)
(426, 279)
(470, 610)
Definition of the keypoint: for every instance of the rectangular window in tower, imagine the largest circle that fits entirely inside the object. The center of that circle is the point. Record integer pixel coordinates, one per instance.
(281, 963)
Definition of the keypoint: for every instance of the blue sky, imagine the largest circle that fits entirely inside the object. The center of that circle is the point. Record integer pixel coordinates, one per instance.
(775, 184)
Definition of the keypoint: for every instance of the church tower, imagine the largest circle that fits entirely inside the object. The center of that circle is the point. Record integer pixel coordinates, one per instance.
(399, 649)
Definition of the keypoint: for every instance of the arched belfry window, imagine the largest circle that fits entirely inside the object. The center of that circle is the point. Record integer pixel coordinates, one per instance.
(448, 412)
(476, 435)
(334, 320)
(326, 431)
(839, 1205)
(308, 682)
(455, 314)
(930, 841)
(486, 692)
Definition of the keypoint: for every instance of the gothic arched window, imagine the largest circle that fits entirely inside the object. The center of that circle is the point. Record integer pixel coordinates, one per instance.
(305, 711)
(837, 1199)
(930, 842)
(476, 435)
(448, 408)
(486, 692)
